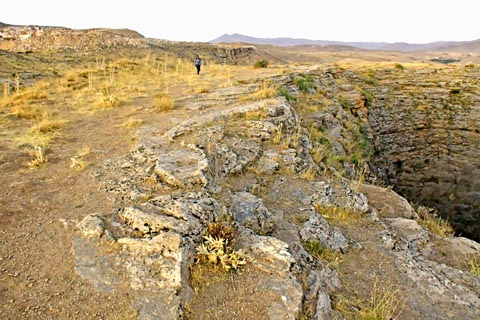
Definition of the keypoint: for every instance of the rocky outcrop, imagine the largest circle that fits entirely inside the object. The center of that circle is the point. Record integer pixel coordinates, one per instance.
(261, 174)
(426, 129)
(413, 128)
(26, 38)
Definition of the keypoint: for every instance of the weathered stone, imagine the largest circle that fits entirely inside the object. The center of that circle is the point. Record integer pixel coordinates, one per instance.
(154, 263)
(339, 195)
(148, 218)
(318, 229)
(271, 256)
(91, 226)
(409, 229)
(250, 212)
(94, 265)
(182, 167)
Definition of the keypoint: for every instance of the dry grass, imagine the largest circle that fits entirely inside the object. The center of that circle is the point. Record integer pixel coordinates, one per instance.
(473, 264)
(47, 124)
(385, 303)
(319, 251)
(78, 162)
(336, 214)
(133, 123)
(254, 115)
(265, 91)
(25, 111)
(37, 157)
(429, 219)
(164, 102)
(201, 89)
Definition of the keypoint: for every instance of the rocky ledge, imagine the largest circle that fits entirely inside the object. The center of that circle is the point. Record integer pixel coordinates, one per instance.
(250, 163)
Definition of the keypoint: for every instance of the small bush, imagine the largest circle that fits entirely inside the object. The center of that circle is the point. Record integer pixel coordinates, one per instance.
(218, 251)
(305, 84)
(284, 93)
(399, 66)
(261, 64)
(429, 219)
(222, 230)
(164, 102)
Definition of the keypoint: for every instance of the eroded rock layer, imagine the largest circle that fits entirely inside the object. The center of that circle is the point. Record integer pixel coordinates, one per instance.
(255, 163)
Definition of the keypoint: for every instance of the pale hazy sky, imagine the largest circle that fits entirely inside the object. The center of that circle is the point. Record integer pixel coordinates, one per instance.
(414, 21)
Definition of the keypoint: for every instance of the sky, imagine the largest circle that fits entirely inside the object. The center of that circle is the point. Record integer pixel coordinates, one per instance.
(413, 21)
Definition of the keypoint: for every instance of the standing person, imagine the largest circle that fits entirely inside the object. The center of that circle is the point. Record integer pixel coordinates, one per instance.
(198, 63)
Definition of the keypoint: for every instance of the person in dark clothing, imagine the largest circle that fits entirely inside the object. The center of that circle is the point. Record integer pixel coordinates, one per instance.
(198, 63)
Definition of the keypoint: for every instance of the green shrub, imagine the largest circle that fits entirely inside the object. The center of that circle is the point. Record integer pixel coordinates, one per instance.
(399, 66)
(304, 83)
(283, 92)
(261, 64)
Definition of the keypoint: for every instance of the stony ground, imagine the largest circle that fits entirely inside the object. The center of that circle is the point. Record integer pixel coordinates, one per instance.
(117, 240)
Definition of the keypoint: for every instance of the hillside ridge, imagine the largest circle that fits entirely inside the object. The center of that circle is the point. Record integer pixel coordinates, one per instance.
(397, 46)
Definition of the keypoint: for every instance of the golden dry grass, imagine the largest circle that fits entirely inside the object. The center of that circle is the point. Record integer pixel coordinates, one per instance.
(429, 219)
(163, 102)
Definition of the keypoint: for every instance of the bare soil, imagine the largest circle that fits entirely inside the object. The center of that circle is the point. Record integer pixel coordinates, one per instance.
(37, 277)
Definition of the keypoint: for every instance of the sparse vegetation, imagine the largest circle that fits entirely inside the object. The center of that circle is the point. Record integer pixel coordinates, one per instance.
(265, 91)
(78, 162)
(261, 64)
(345, 103)
(319, 251)
(217, 248)
(336, 214)
(133, 123)
(473, 264)
(385, 303)
(163, 102)
(304, 83)
(284, 93)
(47, 124)
(37, 157)
(428, 218)
(399, 66)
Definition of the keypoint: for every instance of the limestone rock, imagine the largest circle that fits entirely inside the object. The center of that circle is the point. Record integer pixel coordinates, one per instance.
(318, 229)
(182, 167)
(250, 212)
(339, 195)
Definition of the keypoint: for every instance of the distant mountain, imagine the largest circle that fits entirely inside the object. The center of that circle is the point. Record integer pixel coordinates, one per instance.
(397, 46)
(4, 25)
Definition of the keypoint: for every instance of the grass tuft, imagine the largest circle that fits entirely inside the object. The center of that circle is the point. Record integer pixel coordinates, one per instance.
(334, 213)
(37, 157)
(473, 264)
(319, 251)
(428, 218)
(47, 124)
(163, 102)
(385, 303)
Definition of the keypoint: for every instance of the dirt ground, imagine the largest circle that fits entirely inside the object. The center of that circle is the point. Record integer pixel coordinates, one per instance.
(37, 277)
